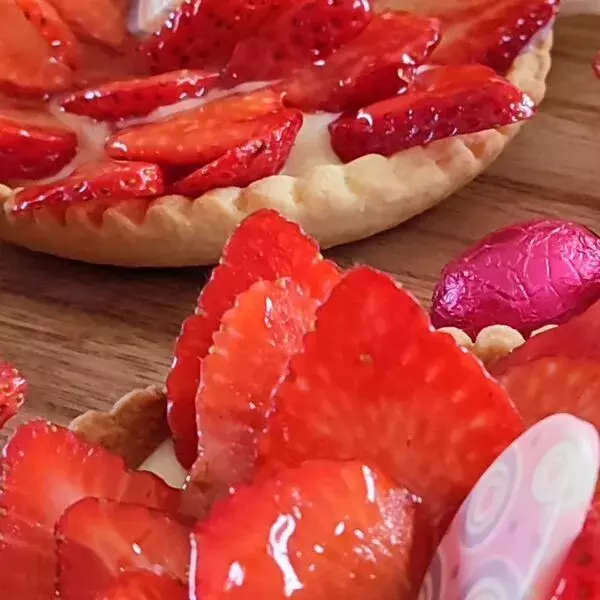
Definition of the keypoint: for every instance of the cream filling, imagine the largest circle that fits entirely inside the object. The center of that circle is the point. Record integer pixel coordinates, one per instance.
(162, 462)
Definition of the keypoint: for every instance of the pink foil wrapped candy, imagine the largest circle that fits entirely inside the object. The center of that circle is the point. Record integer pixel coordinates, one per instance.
(526, 276)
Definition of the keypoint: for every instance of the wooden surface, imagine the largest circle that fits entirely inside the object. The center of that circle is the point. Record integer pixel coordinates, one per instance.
(85, 335)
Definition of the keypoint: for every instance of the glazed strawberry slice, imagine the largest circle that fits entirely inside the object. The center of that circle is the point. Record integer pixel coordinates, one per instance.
(100, 539)
(109, 181)
(138, 97)
(376, 383)
(13, 388)
(377, 64)
(325, 530)
(198, 136)
(44, 470)
(248, 359)
(33, 144)
(260, 157)
(300, 34)
(145, 585)
(443, 102)
(264, 247)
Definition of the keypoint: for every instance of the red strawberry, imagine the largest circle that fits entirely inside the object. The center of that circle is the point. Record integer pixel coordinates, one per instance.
(325, 531)
(200, 135)
(556, 371)
(100, 539)
(106, 180)
(377, 64)
(597, 64)
(255, 159)
(264, 247)
(13, 388)
(246, 363)
(33, 144)
(203, 33)
(138, 97)
(443, 102)
(495, 34)
(44, 470)
(300, 34)
(144, 585)
(376, 383)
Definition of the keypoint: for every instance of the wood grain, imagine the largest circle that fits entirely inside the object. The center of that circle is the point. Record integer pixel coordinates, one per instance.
(85, 335)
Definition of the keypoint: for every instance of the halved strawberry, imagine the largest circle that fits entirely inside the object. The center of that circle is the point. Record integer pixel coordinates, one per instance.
(13, 388)
(247, 361)
(100, 539)
(377, 64)
(443, 102)
(260, 157)
(44, 470)
(264, 247)
(138, 97)
(376, 383)
(109, 181)
(198, 136)
(33, 144)
(325, 531)
(144, 585)
(303, 33)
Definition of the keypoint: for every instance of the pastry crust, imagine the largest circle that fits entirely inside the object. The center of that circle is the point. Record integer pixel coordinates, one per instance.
(335, 204)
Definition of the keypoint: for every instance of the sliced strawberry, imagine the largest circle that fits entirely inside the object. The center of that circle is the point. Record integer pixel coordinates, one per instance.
(326, 530)
(144, 585)
(264, 247)
(203, 33)
(109, 181)
(44, 470)
(200, 135)
(255, 159)
(33, 144)
(376, 383)
(13, 388)
(443, 102)
(53, 29)
(138, 97)
(377, 64)
(300, 34)
(99, 539)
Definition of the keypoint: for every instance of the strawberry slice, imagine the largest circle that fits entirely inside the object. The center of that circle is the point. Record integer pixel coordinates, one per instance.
(375, 65)
(260, 157)
(33, 144)
(99, 539)
(390, 390)
(300, 34)
(109, 181)
(203, 33)
(144, 585)
(443, 102)
(138, 97)
(246, 362)
(201, 135)
(44, 470)
(13, 388)
(326, 530)
(264, 247)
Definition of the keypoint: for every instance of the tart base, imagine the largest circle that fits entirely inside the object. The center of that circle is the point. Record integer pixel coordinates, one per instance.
(335, 204)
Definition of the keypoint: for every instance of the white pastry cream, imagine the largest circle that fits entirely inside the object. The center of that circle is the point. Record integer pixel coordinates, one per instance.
(164, 464)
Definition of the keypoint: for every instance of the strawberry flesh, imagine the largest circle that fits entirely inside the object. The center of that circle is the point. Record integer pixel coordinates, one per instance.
(138, 97)
(443, 102)
(13, 388)
(107, 181)
(303, 33)
(264, 247)
(260, 157)
(144, 585)
(336, 530)
(99, 539)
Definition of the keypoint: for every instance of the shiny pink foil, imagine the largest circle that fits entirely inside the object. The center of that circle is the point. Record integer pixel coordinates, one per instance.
(525, 276)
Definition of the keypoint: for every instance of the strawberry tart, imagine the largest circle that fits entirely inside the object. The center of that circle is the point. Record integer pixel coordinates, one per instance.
(132, 134)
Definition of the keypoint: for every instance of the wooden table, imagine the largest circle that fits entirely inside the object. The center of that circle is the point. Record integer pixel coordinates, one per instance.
(84, 335)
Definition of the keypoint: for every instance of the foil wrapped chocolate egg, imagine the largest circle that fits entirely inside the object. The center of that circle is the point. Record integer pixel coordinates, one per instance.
(526, 276)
